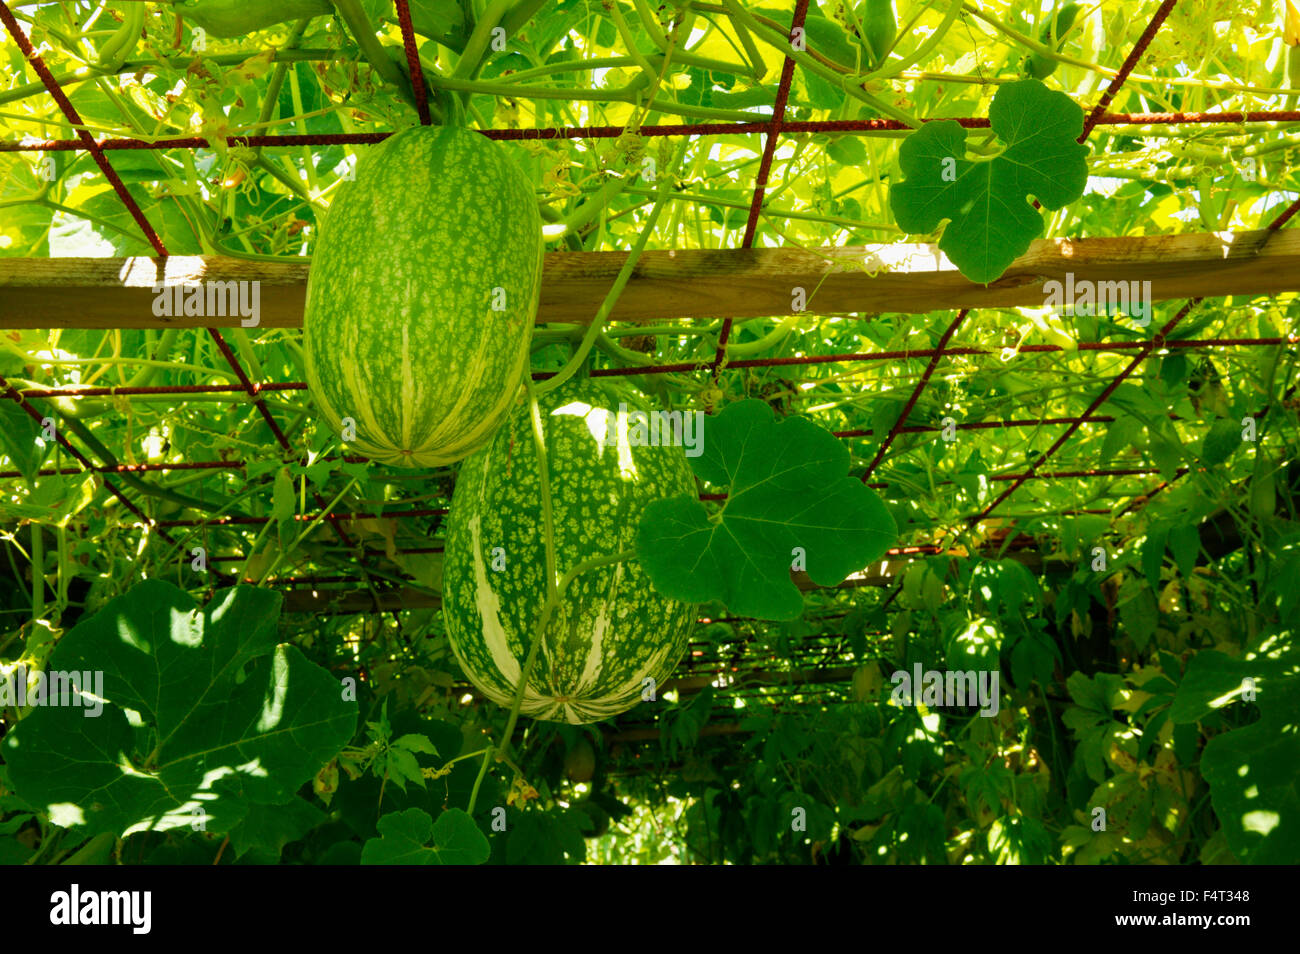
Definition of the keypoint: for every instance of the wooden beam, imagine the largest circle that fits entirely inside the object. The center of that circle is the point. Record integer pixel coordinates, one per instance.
(741, 283)
(652, 735)
(340, 602)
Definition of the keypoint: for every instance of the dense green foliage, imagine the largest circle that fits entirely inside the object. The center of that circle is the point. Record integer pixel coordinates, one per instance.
(234, 18)
(1135, 592)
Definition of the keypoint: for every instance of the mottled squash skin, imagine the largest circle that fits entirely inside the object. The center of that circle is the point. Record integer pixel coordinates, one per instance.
(422, 297)
(613, 631)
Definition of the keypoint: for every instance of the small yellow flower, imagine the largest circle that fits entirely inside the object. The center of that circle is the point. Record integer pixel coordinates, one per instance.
(520, 792)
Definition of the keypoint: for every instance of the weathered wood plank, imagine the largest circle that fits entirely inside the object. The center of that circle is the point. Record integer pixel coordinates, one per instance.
(118, 293)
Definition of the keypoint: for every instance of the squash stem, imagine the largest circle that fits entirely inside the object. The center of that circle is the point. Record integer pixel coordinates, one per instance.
(355, 17)
(624, 275)
(555, 592)
(38, 575)
(548, 610)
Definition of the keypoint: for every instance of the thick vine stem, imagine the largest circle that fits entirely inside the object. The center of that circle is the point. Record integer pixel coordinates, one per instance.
(629, 40)
(471, 61)
(1031, 44)
(775, 38)
(769, 340)
(624, 94)
(544, 483)
(500, 752)
(889, 70)
(123, 41)
(611, 298)
(746, 40)
(362, 31)
(520, 14)
(131, 480)
(548, 610)
(38, 574)
(596, 203)
(279, 557)
(554, 590)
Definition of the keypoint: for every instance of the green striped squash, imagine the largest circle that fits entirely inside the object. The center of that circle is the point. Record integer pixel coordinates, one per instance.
(422, 296)
(612, 631)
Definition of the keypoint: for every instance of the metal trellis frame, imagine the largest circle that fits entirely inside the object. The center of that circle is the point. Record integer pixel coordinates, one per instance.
(772, 129)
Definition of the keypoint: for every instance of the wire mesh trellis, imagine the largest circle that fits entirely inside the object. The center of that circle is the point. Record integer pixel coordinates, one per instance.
(772, 130)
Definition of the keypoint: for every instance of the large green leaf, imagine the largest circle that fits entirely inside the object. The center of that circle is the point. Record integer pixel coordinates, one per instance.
(20, 439)
(51, 499)
(203, 714)
(991, 220)
(225, 19)
(405, 840)
(545, 838)
(790, 501)
(25, 228)
(1253, 771)
(1220, 441)
(114, 223)
(261, 836)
